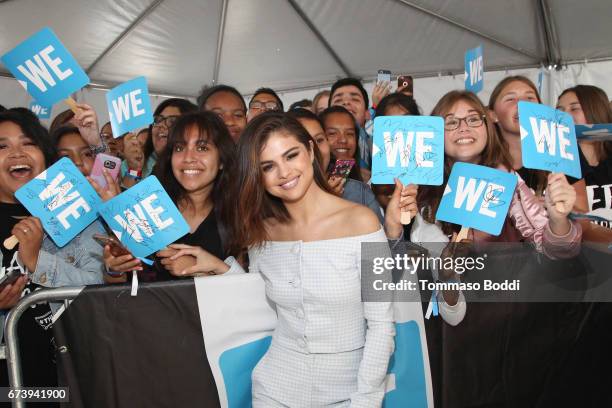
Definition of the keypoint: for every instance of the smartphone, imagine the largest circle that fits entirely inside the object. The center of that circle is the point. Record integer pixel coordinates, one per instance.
(111, 164)
(9, 277)
(342, 168)
(383, 75)
(405, 82)
(116, 248)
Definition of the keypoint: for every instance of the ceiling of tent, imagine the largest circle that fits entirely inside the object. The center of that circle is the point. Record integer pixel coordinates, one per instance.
(180, 45)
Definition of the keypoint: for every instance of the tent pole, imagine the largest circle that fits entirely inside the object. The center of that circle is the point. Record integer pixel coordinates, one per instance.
(321, 38)
(220, 35)
(124, 34)
(551, 42)
(470, 29)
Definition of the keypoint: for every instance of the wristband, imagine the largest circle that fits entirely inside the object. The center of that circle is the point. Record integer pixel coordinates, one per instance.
(135, 174)
(114, 274)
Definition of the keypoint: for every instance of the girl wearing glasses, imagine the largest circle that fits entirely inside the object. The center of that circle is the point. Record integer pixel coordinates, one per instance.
(164, 117)
(470, 137)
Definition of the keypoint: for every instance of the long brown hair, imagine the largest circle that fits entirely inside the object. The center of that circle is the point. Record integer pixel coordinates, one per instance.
(596, 108)
(254, 205)
(538, 178)
(493, 154)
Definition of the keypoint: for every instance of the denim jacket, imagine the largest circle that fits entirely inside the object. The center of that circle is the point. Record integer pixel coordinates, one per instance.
(78, 263)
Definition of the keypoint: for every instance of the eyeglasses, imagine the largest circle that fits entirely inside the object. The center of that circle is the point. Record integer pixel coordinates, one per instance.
(473, 121)
(269, 106)
(168, 121)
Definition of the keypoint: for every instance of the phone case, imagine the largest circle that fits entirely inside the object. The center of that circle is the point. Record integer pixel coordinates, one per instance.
(106, 162)
(342, 168)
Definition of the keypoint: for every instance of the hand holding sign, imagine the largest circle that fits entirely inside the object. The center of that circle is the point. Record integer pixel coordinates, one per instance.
(45, 68)
(129, 106)
(144, 218)
(63, 200)
(548, 140)
(477, 197)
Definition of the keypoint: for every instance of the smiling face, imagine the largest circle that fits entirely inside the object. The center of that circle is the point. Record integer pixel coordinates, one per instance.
(20, 160)
(569, 103)
(466, 143)
(340, 131)
(73, 146)
(160, 131)
(351, 98)
(286, 165)
(115, 146)
(505, 110)
(230, 109)
(315, 131)
(195, 161)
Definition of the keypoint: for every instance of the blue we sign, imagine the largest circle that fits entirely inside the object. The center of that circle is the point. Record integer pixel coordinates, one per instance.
(43, 112)
(63, 199)
(144, 218)
(129, 106)
(477, 197)
(410, 148)
(548, 139)
(45, 68)
(474, 70)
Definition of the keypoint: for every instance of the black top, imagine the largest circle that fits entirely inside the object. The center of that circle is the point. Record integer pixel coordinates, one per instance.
(598, 181)
(34, 327)
(205, 236)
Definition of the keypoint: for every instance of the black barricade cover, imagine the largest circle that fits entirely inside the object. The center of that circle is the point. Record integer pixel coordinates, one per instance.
(135, 351)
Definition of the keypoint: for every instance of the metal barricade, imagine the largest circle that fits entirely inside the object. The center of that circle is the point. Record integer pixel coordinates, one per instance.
(12, 344)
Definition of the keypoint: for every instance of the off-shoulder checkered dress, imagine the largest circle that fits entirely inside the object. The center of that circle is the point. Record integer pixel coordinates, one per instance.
(329, 347)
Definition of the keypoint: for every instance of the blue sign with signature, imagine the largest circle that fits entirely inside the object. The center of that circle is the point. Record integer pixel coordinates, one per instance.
(548, 139)
(144, 218)
(45, 68)
(477, 197)
(63, 200)
(410, 148)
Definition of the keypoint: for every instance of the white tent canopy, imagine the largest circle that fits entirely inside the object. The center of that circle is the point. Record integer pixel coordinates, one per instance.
(299, 46)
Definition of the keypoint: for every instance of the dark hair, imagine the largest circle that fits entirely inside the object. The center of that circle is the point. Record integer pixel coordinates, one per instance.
(303, 103)
(348, 82)
(183, 105)
(596, 108)
(33, 129)
(355, 174)
(2, 108)
(211, 127)
(398, 99)
(61, 119)
(27, 112)
(270, 91)
(493, 155)
(255, 204)
(207, 92)
(301, 113)
(62, 131)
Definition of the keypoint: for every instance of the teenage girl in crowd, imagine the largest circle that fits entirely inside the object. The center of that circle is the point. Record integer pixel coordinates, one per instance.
(348, 188)
(589, 105)
(306, 242)
(164, 117)
(25, 151)
(194, 169)
(503, 108)
(470, 137)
